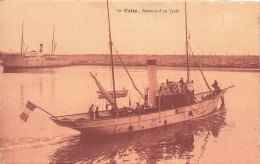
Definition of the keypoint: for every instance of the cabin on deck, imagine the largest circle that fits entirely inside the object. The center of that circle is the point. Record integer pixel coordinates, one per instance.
(175, 94)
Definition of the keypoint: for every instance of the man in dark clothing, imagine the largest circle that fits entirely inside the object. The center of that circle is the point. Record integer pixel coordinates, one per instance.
(138, 108)
(97, 113)
(181, 81)
(113, 111)
(90, 111)
(125, 111)
(216, 87)
(107, 106)
(182, 84)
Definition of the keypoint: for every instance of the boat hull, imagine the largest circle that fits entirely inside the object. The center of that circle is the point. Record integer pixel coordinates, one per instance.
(17, 61)
(142, 122)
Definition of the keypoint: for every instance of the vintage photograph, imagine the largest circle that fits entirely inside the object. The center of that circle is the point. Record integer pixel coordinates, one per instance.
(119, 81)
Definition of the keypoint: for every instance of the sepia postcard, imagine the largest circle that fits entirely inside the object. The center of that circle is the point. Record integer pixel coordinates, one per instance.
(120, 81)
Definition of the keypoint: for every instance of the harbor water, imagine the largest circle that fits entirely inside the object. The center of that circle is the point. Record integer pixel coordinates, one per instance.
(228, 136)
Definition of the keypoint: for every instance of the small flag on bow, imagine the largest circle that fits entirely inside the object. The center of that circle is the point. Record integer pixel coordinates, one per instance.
(28, 109)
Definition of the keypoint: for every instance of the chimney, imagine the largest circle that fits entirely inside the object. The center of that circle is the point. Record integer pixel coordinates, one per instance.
(41, 48)
(152, 81)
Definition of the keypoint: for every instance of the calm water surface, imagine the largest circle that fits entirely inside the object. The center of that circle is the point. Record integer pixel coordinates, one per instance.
(229, 136)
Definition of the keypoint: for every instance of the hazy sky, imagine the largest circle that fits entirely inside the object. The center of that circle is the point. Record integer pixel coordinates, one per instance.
(81, 27)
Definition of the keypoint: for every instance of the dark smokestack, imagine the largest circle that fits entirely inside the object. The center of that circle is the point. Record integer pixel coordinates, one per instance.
(41, 48)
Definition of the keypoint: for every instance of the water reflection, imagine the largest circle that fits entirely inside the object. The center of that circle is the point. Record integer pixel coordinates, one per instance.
(21, 96)
(41, 87)
(53, 82)
(155, 145)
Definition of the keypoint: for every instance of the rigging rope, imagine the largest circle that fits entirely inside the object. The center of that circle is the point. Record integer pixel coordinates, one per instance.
(136, 88)
(199, 68)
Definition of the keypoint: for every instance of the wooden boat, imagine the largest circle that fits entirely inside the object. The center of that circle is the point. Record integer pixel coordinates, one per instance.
(164, 104)
(119, 93)
(129, 121)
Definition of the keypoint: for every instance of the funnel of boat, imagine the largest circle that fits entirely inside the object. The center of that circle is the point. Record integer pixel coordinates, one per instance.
(41, 48)
(152, 81)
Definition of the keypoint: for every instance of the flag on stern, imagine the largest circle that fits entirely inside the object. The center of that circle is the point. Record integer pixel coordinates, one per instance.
(28, 109)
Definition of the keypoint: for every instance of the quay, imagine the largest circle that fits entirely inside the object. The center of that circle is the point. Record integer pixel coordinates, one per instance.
(205, 61)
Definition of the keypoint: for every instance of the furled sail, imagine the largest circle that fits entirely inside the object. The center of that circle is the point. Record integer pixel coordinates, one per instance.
(103, 91)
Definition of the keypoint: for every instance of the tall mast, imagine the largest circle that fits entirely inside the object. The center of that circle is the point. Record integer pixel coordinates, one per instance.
(187, 52)
(52, 44)
(22, 41)
(111, 55)
(187, 48)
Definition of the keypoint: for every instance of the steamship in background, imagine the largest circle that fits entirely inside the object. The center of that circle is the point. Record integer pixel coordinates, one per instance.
(13, 61)
(160, 105)
(32, 59)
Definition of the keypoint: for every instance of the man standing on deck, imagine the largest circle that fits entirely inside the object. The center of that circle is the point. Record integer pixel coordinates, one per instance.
(190, 90)
(138, 108)
(216, 87)
(107, 106)
(181, 81)
(97, 113)
(113, 111)
(90, 111)
(182, 84)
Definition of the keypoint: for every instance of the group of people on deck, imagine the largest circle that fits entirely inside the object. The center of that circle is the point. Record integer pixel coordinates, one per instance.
(93, 115)
(187, 87)
(180, 86)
